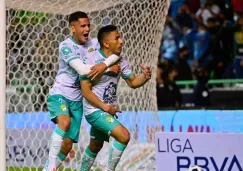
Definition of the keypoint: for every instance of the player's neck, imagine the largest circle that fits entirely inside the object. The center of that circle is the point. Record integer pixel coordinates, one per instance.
(76, 40)
(105, 52)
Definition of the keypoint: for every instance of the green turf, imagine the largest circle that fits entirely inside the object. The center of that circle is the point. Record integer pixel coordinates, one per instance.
(22, 169)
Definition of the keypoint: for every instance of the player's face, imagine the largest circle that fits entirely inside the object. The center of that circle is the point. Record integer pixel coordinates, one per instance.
(115, 42)
(81, 29)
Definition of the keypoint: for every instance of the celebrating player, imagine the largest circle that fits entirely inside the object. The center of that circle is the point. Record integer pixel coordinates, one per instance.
(65, 99)
(100, 99)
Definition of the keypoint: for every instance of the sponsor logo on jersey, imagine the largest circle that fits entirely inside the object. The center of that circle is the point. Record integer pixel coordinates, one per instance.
(66, 51)
(75, 47)
(85, 60)
(63, 107)
(109, 95)
(88, 44)
(98, 61)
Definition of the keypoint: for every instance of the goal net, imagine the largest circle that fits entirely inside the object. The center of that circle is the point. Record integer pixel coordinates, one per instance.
(34, 30)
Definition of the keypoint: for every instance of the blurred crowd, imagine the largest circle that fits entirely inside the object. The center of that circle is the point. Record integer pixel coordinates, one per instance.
(202, 39)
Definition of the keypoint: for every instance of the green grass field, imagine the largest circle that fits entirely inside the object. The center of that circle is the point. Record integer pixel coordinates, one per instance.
(22, 169)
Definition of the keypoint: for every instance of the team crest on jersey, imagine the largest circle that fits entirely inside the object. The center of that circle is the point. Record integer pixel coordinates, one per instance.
(109, 119)
(63, 107)
(110, 94)
(91, 50)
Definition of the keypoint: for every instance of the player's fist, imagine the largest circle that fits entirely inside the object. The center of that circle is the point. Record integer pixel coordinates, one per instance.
(146, 71)
(96, 70)
(241, 63)
(112, 110)
(114, 69)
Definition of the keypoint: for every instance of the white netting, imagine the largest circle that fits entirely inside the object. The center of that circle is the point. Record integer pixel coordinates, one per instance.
(34, 30)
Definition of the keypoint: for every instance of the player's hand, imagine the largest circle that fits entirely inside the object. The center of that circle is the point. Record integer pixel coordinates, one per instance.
(96, 70)
(146, 71)
(195, 64)
(241, 63)
(112, 110)
(220, 64)
(114, 69)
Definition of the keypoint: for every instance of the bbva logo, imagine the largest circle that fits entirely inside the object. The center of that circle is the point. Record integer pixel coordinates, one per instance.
(195, 168)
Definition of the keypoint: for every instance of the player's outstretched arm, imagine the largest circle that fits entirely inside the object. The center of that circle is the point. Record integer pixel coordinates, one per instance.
(94, 100)
(72, 59)
(93, 70)
(96, 70)
(81, 68)
(94, 73)
(138, 81)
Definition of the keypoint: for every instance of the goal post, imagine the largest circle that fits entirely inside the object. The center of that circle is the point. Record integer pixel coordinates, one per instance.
(34, 30)
(2, 86)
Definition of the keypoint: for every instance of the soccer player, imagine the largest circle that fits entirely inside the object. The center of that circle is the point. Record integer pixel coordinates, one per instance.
(65, 99)
(100, 99)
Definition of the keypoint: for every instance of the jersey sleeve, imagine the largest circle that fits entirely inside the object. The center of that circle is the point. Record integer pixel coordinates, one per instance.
(126, 71)
(67, 53)
(87, 60)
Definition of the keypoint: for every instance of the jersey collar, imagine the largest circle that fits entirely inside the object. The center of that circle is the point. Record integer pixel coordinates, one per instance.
(102, 53)
(72, 39)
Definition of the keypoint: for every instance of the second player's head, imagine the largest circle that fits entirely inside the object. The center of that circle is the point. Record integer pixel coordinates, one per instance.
(110, 39)
(80, 26)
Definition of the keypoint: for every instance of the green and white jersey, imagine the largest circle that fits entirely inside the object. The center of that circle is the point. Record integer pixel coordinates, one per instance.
(67, 79)
(104, 87)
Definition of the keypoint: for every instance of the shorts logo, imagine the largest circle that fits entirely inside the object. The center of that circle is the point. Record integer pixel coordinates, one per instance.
(63, 107)
(109, 119)
(91, 50)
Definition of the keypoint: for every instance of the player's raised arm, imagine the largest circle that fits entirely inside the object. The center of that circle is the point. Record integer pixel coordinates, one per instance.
(137, 81)
(132, 80)
(94, 100)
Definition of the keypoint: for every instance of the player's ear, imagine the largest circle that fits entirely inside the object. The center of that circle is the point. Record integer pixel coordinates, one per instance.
(72, 28)
(106, 45)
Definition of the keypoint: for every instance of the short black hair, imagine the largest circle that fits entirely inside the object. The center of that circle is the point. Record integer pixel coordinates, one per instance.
(104, 31)
(77, 15)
